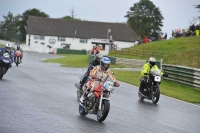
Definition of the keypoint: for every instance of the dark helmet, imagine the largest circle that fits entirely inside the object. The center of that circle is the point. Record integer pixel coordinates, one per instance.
(99, 57)
(18, 47)
(152, 61)
(105, 60)
(8, 47)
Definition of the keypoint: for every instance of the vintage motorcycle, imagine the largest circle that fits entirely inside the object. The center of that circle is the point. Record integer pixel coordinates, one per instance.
(152, 90)
(5, 62)
(96, 102)
(17, 55)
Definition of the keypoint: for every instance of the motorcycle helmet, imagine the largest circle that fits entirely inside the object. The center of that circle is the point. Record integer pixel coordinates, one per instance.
(152, 61)
(99, 57)
(18, 47)
(8, 47)
(105, 60)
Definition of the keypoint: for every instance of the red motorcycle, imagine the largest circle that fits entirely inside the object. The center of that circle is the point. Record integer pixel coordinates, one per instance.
(98, 101)
(17, 55)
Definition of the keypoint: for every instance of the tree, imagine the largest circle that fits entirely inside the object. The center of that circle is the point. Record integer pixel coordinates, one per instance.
(9, 28)
(145, 18)
(24, 19)
(67, 17)
(197, 6)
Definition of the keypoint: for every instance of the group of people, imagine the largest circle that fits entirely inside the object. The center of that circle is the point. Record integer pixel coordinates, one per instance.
(99, 68)
(191, 31)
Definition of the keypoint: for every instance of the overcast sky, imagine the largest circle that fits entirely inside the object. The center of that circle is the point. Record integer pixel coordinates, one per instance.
(176, 13)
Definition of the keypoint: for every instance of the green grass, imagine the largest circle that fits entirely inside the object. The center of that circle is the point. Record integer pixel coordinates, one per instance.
(183, 51)
(78, 61)
(167, 88)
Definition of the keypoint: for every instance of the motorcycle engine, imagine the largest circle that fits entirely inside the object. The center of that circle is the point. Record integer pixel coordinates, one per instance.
(90, 100)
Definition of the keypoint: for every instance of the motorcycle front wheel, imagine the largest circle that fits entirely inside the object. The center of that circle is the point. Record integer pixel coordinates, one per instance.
(155, 95)
(2, 72)
(82, 111)
(103, 113)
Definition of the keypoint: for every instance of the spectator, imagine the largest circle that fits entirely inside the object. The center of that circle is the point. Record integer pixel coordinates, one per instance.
(146, 39)
(160, 37)
(173, 34)
(198, 28)
(136, 42)
(165, 37)
(96, 49)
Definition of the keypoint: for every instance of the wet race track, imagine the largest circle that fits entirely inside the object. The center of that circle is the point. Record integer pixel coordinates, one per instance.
(39, 97)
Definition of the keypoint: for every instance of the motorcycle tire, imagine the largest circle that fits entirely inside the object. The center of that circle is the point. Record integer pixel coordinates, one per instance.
(105, 107)
(82, 111)
(140, 96)
(2, 72)
(17, 63)
(155, 95)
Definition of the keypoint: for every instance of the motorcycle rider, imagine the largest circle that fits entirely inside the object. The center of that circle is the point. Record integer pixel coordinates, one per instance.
(8, 50)
(100, 72)
(20, 49)
(91, 65)
(145, 71)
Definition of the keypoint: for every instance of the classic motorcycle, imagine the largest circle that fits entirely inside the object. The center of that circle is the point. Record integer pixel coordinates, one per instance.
(5, 62)
(96, 102)
(152, 90)
(17, 56)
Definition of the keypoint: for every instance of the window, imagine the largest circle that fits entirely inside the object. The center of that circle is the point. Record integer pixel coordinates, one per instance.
(39, 37)
(83, 40)
(36, 37)
(61, 39)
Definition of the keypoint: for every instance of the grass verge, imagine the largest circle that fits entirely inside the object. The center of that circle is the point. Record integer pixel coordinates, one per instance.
(168, 88)
(72, 60)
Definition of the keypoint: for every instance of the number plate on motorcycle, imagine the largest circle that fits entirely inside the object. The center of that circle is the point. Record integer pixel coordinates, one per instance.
(157, 78)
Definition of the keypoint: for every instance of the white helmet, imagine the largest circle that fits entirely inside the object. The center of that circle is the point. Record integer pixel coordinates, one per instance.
(8, 47)
(152, 61)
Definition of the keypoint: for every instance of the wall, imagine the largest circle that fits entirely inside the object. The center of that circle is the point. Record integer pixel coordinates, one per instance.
(75, 44)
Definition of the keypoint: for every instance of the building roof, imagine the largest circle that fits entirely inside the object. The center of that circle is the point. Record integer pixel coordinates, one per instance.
(79, 29)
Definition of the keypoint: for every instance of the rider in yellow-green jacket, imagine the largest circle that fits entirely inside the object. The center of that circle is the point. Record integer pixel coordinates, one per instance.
(145, 71)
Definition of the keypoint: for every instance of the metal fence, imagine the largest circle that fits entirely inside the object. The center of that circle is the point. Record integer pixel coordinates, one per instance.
(184, 75)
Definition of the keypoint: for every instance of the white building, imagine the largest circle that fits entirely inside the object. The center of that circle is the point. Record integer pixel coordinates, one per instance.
(43, 33)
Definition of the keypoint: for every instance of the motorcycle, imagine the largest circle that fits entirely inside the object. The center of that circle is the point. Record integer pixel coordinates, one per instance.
(96, 102)
(5, 62)
(17, 55)
(152, 90)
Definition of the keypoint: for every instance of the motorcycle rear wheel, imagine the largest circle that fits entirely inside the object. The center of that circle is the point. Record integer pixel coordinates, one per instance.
(105, 107)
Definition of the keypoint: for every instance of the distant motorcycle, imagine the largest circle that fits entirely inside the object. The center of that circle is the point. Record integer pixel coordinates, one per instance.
(96, 102)
(152, 90)
(17, 55)
(5, 62)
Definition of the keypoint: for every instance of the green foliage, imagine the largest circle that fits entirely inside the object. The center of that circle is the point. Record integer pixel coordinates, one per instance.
(9, 27)
(145, 18)
(167, 88)
(24, 19)
(197, 6)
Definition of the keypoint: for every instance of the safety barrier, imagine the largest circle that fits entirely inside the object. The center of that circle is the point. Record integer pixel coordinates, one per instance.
(126, 62)
(71, 51)
(184, 75)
